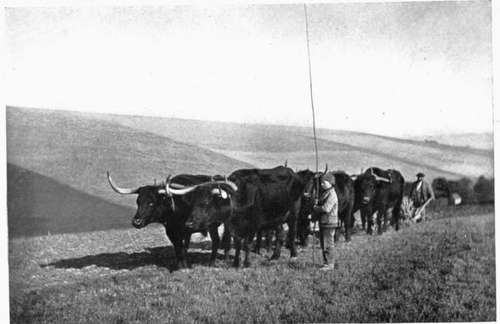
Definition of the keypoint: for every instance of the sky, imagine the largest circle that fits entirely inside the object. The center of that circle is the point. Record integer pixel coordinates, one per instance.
(394, 68)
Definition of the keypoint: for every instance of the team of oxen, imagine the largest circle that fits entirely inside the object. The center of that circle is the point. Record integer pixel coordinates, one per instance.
(250, 202)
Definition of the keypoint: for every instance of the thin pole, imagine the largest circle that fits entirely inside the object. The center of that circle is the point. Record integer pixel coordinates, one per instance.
(311, 90)
(314, 124)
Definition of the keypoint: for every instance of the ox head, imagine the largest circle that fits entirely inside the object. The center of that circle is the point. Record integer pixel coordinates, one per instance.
(368, 184)
(211, 203)
(153, 203)
(311, 182)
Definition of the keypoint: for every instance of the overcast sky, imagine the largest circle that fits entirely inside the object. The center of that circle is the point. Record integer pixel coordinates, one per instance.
(388, 68)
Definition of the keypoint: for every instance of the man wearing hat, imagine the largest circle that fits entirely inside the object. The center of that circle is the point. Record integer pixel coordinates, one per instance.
(326, 210)
(421, 192)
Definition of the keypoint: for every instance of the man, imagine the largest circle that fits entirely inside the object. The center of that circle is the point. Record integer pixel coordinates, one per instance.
(421, 192)
(326, 210)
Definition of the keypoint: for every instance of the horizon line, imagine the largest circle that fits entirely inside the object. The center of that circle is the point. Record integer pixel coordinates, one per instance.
(418, 137)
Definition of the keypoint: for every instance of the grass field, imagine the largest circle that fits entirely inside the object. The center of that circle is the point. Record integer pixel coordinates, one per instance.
(440, 270)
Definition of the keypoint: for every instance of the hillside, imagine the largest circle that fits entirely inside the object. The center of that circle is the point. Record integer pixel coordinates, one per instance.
(78, 152)
(268, 145)
(38, 205)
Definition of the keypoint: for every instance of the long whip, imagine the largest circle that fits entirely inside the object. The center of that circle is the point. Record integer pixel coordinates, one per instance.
(313, 121)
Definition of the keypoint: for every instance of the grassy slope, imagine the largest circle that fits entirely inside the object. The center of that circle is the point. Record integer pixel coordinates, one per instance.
(38, 205)
(76, 152)
(482, 141)
(266, 145)
(443, 270)
(468, 162)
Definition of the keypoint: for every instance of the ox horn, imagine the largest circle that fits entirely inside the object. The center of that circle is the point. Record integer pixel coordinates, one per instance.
(179, 192)
(378, 178)
(123, 191)
(286, 163)
(187, 190)
(326, 168)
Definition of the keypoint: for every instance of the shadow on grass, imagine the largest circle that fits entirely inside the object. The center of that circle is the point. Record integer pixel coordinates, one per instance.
(159, 256)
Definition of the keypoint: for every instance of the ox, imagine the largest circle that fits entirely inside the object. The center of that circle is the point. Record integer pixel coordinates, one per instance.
(264, 200)
(170, 204)
(378, 190)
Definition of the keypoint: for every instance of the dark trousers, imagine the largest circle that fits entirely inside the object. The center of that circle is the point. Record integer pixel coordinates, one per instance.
(327, 238)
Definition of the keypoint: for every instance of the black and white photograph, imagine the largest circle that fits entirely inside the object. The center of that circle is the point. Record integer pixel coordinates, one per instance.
(259, 162)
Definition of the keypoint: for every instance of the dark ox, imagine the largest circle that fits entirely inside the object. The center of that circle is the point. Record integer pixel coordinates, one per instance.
(170, 204)
(380, 191)
(264, 200)
(344, 188)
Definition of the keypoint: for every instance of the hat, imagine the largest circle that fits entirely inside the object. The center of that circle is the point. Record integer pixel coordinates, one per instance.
(329, 177)
(420, 175)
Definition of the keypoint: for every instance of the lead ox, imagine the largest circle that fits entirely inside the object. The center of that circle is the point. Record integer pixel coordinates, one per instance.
(261, 199)
(344, 188)
(380, 191)
(170, 204)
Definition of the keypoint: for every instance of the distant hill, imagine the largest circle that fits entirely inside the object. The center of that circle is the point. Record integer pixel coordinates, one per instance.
(269, 145)
(483, 141)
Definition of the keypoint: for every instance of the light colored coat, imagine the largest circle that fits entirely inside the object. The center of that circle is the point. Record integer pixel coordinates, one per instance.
(420, 192)
(327, 208)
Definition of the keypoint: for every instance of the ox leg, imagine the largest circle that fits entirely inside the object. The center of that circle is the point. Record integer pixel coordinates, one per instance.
(363, 219)
(187, 241)
(347, 225)
(246, 248)
(292, 228)
(258, 242)
(279, 242)
(177, 241)
(237, 248)
(381, 216)
(396, 214)
(269, 240)
(185, 245)
(214, 236)
(303, 231)
(369, 220)
(226, 243)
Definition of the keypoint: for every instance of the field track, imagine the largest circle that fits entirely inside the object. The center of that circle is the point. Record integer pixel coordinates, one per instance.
(440, 270)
